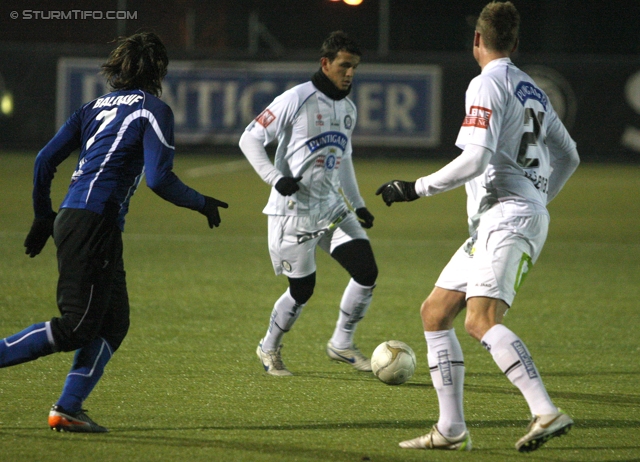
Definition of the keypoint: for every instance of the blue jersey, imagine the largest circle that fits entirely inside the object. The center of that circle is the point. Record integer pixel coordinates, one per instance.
(121, 136)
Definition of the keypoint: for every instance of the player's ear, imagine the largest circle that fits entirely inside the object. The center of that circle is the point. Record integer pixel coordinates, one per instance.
(476, 39)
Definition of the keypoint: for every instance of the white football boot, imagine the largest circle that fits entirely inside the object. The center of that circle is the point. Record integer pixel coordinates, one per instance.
(542, 428)
(272, 361)
(351, 356)
(435, 440)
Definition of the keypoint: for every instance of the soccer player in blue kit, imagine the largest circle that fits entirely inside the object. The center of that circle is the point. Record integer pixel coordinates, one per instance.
(121, 136)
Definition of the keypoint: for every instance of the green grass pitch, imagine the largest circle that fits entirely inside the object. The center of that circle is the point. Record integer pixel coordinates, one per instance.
(186, 384)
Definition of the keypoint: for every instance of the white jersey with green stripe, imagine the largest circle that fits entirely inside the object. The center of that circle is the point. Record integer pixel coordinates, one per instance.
(313, 133)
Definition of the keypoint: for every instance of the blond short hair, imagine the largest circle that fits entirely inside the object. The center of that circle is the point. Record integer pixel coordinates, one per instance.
(499, 24)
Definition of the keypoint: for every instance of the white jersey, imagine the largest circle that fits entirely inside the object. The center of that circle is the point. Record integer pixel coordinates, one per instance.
(513, 118)
(313, 133)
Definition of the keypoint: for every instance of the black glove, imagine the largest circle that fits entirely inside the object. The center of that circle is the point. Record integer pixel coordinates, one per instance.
(287, 185)
(366, 219)
(398, 191)
(210, 210)
(41, 230)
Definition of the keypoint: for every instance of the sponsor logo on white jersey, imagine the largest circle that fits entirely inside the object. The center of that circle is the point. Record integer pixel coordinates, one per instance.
(327, 139)
(478, 117)
(265, 118)
(526, 90)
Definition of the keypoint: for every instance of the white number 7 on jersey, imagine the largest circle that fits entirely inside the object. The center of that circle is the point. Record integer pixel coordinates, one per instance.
(106, 117)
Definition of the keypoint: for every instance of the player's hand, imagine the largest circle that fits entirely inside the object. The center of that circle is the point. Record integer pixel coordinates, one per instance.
(210, 210)
(398, 191)
(366, 219)
(287, 185)
(41, 230)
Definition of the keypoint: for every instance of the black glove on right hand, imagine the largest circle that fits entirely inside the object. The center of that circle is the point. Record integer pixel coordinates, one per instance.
(210, 210)
(365, 217)
(41, 230)
(398, 191)
(287, 185)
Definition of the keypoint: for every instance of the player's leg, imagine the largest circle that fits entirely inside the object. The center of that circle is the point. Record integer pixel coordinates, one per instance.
(88, 365)
(43, 338)
(90, 360)
(446, 365)
(350, 247)
(31, 343)
(89, 252)
(484, 323)
(513, 358)
(445, 358)
(501, 262)
(357, 258)
(89, 261)
(285, 312)
(297, 262)
(508, 351)
(287, 309)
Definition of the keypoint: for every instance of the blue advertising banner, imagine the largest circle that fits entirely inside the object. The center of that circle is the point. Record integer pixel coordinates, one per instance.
(398, 105)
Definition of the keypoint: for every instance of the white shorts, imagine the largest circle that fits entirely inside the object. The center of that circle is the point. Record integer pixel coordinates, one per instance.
(293, 241)
(495, 265)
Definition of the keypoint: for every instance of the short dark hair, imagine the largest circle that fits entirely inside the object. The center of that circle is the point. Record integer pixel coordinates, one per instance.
(499, 23)
(339, 41)
(139, 62)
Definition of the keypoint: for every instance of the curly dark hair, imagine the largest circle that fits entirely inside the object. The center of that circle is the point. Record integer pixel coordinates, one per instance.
(138, 62)
(499, 23)
(339, 41)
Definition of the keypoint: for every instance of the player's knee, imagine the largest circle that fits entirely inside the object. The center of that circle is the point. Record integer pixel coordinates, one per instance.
(430, 318)
(301, 289)
(366, 275)
(474, 327)
(115, 338)
(440, 309)
(71, 333)
(67, 339)
(424, 309)
(357, 258)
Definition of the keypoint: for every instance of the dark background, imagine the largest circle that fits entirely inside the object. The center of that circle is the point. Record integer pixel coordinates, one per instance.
(221, 26)
(595, 46)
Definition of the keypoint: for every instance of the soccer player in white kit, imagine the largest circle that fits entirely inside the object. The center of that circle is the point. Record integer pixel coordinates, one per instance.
(312, 170)
(516, 157)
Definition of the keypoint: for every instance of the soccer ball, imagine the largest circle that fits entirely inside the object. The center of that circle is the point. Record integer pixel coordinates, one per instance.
(393, 362)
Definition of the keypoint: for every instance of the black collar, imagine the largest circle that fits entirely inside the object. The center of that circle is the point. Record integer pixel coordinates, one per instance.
(326, 86)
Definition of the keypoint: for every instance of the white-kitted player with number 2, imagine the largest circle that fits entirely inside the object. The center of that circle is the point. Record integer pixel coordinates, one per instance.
(516, 157)
(313, 123)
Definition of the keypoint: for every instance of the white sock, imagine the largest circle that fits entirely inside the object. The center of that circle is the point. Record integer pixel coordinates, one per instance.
(284, 315)
(446, 364)
(353, 306)
(513, 358)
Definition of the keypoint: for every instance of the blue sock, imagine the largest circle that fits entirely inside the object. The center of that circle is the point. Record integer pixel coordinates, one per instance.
(32, 343)
(88, 366)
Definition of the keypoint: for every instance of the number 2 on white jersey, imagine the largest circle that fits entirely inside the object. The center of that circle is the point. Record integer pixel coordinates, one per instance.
(106, 117)
(530, 139)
